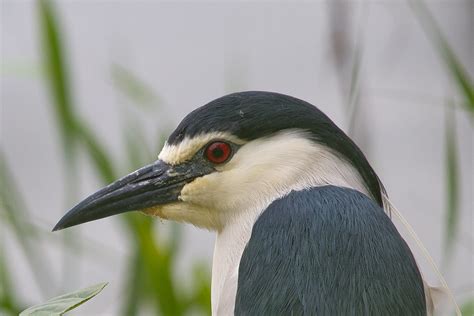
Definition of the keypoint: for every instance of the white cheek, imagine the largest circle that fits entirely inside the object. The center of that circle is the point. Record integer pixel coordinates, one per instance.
(267, 169)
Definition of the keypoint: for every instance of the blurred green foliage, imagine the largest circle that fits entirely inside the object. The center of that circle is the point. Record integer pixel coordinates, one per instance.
(468, 307)
(132, 87)
(452, 182)
(465, 87)
(14, 213)
(458, 72)
(150, 281)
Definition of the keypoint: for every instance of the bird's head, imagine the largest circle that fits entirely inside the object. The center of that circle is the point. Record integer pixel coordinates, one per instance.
(236, 154)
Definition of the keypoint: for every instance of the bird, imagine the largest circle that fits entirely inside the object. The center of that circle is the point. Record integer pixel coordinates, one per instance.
(301, 218)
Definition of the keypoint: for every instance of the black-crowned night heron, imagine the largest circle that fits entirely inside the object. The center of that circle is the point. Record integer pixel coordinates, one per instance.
(298, 211)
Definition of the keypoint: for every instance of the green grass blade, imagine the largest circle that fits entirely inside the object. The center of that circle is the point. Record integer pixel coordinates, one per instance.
(458, 72)
(8, 301)
(176, 238)
(354, 90)
(202, 289)
(158, 267)
(137, 150)
(132, 87)
(452, 181)
(156, 260)
(56, 70)
(58, 81)
(54, 60)
(12, 204)
(100, 158)
(468, 307)
(135, 286)
(64, 303)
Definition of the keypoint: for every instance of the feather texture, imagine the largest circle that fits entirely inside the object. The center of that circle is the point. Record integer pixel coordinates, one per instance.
(329, 251)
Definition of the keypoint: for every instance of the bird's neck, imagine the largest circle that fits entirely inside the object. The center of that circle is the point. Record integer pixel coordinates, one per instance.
(322, 168)
(229, 246)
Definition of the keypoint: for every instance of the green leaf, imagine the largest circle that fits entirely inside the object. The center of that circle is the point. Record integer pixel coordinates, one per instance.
(60, 88)
(98, 155)
(56, 70)
(464, 83)
(135, 285)
(132, 87)
(354, 91)
(468, 307)
(64, 303)
(136, 148)
(452, 180)
(8, 300)
(202, 290)
(14, 210)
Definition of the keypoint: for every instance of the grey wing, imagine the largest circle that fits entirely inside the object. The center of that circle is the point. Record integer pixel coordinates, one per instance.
(327, 251)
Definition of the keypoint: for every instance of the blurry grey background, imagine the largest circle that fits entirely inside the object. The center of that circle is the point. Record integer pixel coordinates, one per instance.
(189, 53)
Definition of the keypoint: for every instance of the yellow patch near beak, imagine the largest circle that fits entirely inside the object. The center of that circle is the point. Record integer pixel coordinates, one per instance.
(184, 212)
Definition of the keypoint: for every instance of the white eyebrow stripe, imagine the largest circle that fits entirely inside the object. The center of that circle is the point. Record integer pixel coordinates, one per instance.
(187, 148)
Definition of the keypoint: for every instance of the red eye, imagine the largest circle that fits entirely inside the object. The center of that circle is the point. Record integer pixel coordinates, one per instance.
(218, 152)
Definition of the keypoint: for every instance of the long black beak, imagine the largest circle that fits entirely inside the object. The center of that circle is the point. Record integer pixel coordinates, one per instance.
(155, 184)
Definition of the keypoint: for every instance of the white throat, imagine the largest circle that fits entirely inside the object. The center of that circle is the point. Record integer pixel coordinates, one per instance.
(270, 169)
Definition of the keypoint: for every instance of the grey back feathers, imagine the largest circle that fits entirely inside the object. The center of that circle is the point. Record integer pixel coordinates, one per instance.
(327, 251)
(255, 114)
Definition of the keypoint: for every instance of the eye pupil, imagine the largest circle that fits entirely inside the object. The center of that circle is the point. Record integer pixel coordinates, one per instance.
(218, 152)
